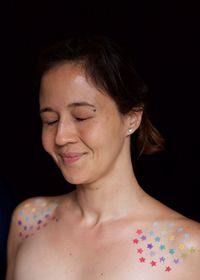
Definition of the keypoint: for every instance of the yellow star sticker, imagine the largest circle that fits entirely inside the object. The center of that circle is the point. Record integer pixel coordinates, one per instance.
(184, 255)
(181, 246)
(192, 250)
(171, 237)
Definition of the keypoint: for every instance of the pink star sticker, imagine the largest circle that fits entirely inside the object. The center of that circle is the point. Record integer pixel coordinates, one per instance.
(153, 263)
(139, 231)
(135, 241)
(142, 260)
(168, 269)
(139, 251)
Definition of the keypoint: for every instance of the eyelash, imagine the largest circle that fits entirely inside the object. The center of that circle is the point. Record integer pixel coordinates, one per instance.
(51, 123)
(81, 119)
(77, 119)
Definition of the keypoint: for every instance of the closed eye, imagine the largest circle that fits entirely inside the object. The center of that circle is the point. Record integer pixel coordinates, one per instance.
(51, 123)
(81, 119)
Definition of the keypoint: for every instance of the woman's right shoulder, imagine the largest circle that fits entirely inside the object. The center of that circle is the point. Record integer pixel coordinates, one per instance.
(31, 214)
(28, 217)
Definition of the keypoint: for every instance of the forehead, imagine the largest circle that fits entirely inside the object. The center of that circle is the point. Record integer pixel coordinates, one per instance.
(68, 83)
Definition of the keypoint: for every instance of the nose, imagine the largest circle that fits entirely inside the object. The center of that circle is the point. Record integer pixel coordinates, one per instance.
(66, 133)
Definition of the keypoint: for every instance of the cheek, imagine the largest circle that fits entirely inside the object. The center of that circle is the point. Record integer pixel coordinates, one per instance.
(46, 141)
(101, 134)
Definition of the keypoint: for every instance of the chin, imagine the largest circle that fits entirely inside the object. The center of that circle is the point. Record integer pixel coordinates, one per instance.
(75, 179)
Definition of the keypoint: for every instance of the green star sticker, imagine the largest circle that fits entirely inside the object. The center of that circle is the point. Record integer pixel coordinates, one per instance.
(157, 239)
(162, 247)
(151, 232)
(171, 251)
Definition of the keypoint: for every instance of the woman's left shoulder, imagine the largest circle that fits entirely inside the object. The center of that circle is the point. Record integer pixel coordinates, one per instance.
(191, 253)
(192, 229)
(182, 242)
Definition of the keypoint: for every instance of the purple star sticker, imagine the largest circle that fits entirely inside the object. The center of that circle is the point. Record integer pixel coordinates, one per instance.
(149, 246)
(176, 261)
(162, 259)
(143, 237)
(152, 253)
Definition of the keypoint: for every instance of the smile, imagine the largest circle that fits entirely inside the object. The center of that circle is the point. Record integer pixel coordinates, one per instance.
(70, 158)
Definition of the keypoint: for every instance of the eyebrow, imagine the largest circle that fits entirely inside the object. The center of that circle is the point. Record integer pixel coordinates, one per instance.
(74, 104)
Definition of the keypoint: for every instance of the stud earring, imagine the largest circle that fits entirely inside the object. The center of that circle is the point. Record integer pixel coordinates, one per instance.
(130, 130)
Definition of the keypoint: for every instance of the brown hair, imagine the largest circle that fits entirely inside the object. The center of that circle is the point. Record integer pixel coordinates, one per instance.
(110, 68)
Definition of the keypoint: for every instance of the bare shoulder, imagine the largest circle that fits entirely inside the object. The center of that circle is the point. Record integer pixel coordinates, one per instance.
(35, 213)
(191, 226)
(28, 218)
(170, 242)
(191, 233)
(178, 243)
(189, 247)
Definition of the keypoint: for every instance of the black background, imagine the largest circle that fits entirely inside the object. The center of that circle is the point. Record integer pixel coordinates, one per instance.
(163, 37)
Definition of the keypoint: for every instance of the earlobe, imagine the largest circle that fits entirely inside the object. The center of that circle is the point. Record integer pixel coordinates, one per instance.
(134, 119)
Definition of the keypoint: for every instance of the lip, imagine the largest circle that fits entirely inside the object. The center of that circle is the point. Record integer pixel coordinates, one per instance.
(69, 158)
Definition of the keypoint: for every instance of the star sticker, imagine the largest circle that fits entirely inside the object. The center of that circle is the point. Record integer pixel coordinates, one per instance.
(142, 260)
(21, 213)
(155, 224)
(176, 261)
(27, 205)
(157, 239)
(162, 259)
(168, 269)
(192, 250)
(181, 246)
(180, 229)
(152, 233)
(171, 237)
(143, 237)
(139, 231)
(184, 255)
(152, 253)
(153, 263)
(149, 246)
(171, 251)
(135, 241)
(162, 247)
(139, 251)
(186, 235)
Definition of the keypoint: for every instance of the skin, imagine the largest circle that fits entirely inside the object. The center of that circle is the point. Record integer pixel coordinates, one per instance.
(96, 231)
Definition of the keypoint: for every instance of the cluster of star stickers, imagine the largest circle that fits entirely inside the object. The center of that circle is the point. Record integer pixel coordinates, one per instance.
(33, 218)
(156, 247)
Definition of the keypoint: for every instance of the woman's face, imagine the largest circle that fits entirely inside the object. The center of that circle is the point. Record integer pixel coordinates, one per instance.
(82, 128)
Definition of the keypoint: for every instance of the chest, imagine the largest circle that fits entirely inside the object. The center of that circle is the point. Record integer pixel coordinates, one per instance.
(73, 255)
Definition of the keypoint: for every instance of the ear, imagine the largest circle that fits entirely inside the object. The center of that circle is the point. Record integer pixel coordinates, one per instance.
(133, 119)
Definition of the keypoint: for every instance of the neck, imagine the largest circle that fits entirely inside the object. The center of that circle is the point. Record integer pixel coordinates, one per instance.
(110, 198)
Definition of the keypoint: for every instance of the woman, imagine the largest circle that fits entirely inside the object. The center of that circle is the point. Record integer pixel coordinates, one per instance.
(93, 106)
